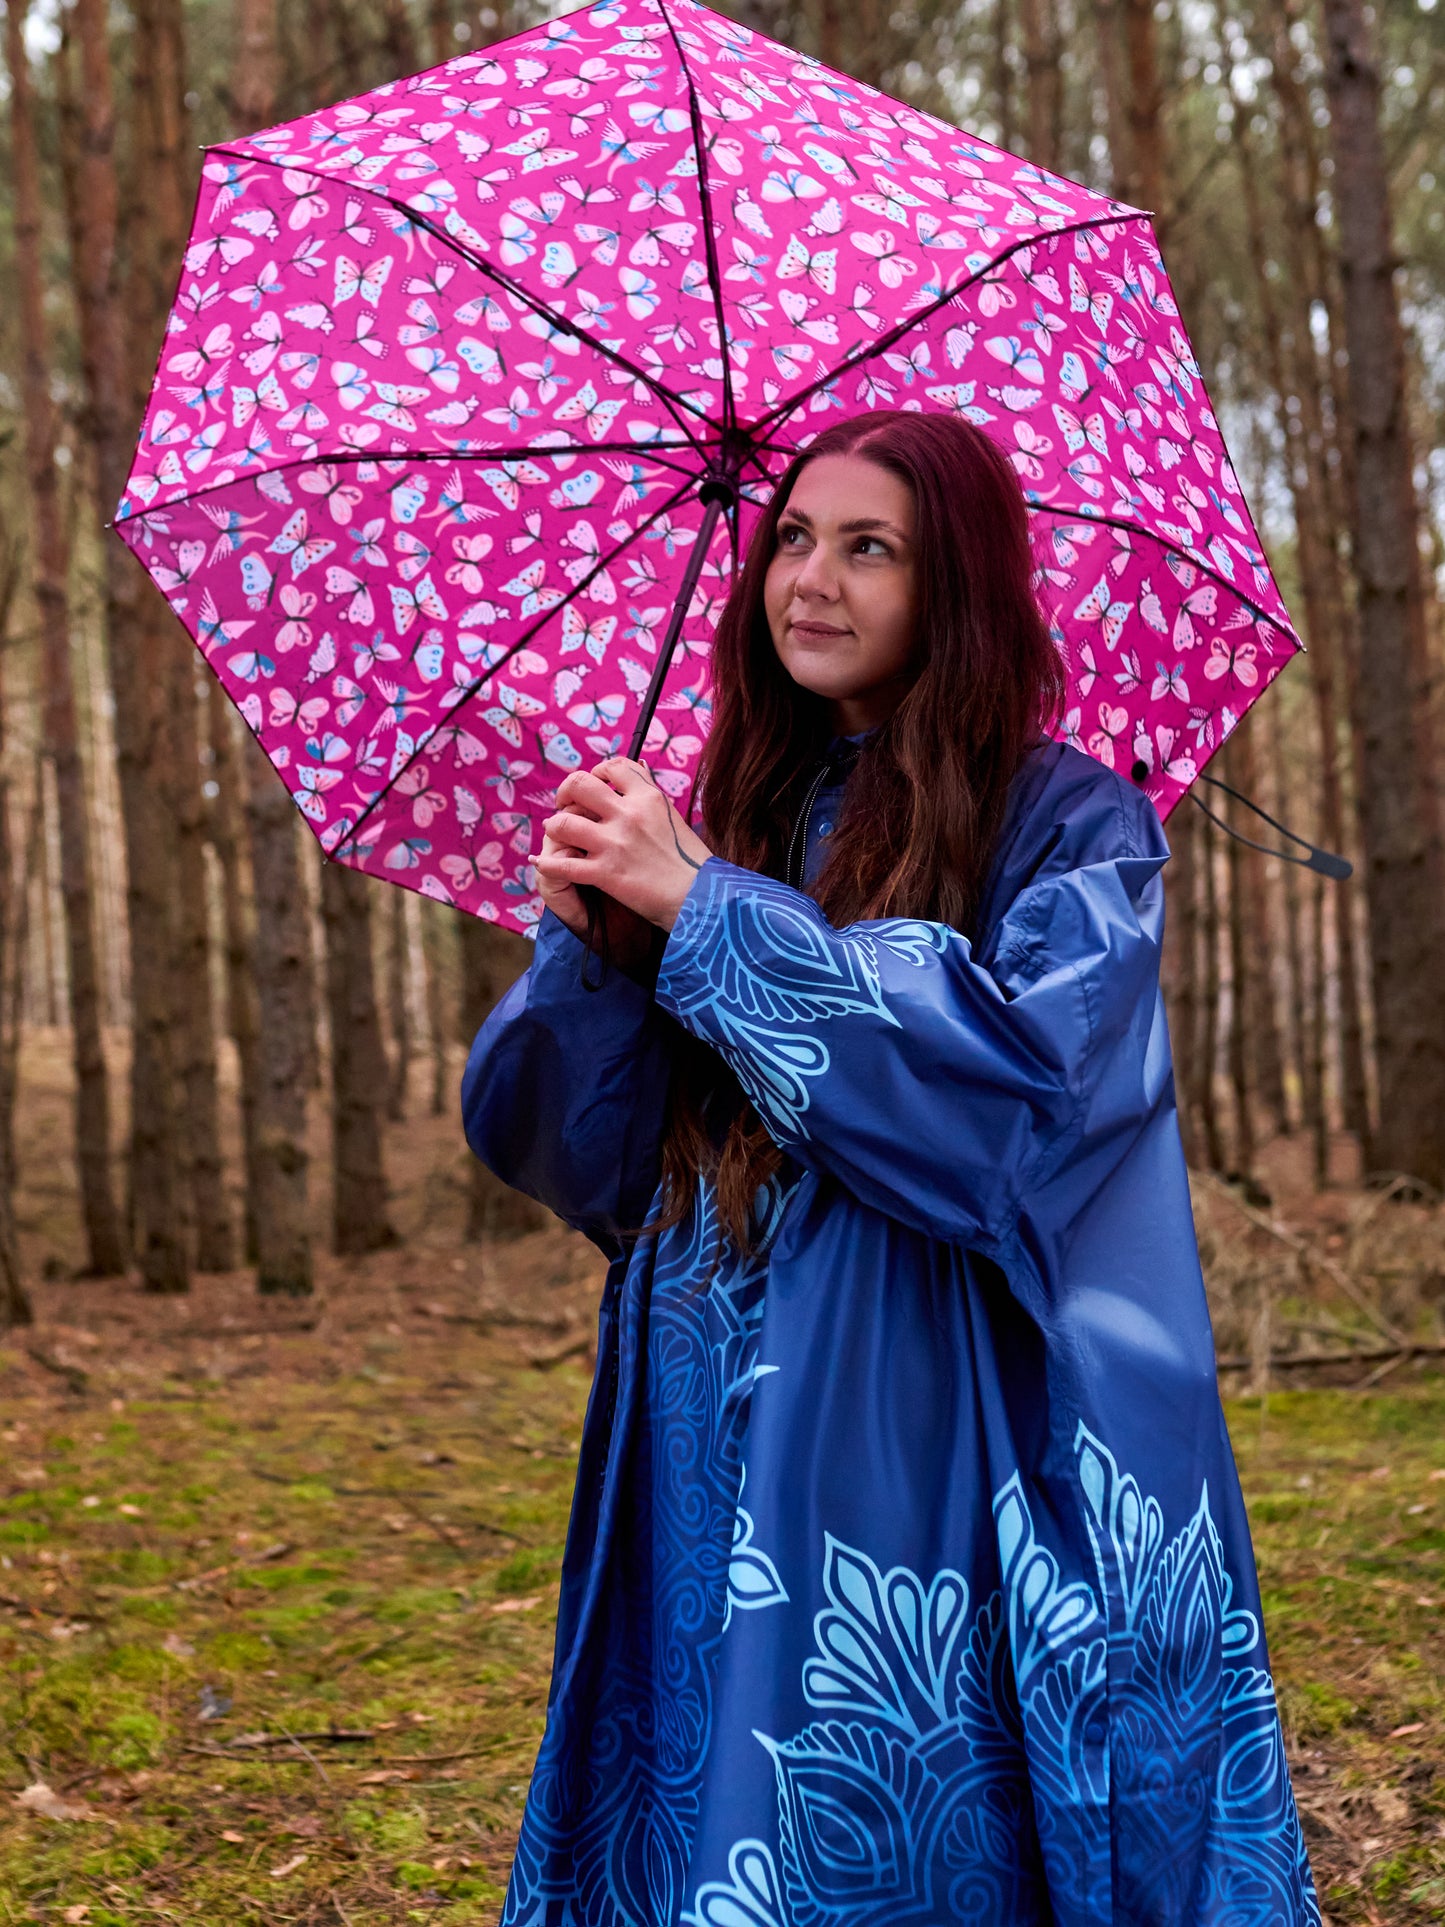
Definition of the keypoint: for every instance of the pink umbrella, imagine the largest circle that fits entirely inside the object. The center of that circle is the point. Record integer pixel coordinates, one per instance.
(473, 385)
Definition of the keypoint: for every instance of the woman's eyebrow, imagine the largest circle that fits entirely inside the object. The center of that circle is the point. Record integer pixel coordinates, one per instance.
(860, 525)
(865, 524)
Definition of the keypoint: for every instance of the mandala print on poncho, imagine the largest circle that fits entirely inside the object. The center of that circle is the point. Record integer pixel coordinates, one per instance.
(1131, 1714)
(614, 1839)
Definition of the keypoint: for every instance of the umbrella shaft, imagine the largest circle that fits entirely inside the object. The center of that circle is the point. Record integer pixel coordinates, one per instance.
(675, 621)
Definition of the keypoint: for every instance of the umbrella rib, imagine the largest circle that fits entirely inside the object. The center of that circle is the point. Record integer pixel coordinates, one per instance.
(348, 457)
(781, 410)
(1183, 550)
(467, 695)
(709, 239)
(673, 403)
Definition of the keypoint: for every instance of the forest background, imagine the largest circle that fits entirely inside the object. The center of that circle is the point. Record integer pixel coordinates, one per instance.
(228, 1070)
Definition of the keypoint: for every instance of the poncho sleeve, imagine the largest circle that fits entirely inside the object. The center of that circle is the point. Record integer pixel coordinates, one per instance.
(940, 1086)
(565, 1088)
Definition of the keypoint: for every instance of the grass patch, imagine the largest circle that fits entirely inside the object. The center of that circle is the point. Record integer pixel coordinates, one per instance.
(332, 1532)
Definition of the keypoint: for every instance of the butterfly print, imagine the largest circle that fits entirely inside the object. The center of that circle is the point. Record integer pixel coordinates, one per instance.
(438, 518)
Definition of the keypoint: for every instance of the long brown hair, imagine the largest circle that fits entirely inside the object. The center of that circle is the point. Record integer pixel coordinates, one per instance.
(926, 796)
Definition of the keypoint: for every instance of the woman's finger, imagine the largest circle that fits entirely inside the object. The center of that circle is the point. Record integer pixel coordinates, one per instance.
(582, 790)
(569, 827)
(563, 869)
(622, 773)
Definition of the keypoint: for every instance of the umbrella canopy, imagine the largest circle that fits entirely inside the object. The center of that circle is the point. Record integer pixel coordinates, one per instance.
(472, 380)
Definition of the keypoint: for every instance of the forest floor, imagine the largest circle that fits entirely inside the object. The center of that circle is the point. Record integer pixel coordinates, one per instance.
(277, 1580)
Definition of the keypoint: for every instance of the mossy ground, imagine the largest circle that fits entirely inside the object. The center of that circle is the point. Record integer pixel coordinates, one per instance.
(348, 1515)
(351, 1530)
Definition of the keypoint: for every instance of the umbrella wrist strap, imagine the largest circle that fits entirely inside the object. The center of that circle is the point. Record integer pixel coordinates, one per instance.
(1324, 862)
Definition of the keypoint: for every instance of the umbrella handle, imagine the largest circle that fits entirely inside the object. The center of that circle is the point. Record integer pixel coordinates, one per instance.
(716, 499)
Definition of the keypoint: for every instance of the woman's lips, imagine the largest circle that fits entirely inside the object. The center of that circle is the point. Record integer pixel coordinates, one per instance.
(816, 631)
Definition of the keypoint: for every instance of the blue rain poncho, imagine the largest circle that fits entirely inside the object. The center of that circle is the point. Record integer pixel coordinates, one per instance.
(908, 1579)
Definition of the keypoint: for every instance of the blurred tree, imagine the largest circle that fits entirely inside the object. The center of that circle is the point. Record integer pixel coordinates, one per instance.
(492, 960)
(228, 839)
(105, 1243)
(398, 971)
(15, 1306)
(1398, 802)
(113, 370)
(359, 1217)
(279, 1205)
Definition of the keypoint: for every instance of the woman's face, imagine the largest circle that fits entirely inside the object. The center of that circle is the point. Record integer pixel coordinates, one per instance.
(841, 590)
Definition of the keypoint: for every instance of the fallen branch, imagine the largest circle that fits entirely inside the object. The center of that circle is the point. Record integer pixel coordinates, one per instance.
(1356, 1355)
(249, 1742)
(569, 1348)
(76, 1378)
(1354, 1291)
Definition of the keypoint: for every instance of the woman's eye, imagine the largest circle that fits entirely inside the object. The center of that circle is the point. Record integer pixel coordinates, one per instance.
(872, 545)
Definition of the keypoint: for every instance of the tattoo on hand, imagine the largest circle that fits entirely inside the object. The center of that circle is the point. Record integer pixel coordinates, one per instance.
(680, 850)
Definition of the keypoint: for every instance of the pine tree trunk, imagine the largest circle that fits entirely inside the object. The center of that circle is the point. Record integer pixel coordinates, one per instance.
(1043, 82)
(194, 1000)
(105, 1245)
(1318, 1030)
(398, 38)
(1239, 1041)
(492, 959)
(1109, 50)
(136, 662)
(1308, 460)
(1146, 125)
(1266, 1051)
(15, 1306)
(439, 30)
(433, 950)
(358, 1067)
(241, 1017)
(284, 979)
(398, 960)
(1206, 1100)
(1398, 801)
(1182, 967)
(1297, 1003)
(282, 951)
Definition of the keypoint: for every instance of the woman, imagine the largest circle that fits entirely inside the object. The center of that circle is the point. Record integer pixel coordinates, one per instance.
(908, 1578)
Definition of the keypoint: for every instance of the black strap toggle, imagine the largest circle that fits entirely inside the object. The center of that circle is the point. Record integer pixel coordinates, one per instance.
(1325, 862)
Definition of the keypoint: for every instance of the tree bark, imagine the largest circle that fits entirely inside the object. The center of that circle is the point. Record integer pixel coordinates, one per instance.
(1239, 1039)
(358, 1067)
(105, 1243)
(283, 1236)
(242, 1023)
(1267, 1053)
(282, 943)
(1146, 100)
(492, 959)
(439, 31)
(15, 1306)
(398, 961)
(1043, 81)
(1398, 803)
(135, 654)
(194, 1003)
(1206, 1100)
(434, 957)
(1182, 967)
(1313, 462)
(1108, 36)
(398, 38)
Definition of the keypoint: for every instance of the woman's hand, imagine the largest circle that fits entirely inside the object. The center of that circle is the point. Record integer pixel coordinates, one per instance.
(628, 937)
(616, 830)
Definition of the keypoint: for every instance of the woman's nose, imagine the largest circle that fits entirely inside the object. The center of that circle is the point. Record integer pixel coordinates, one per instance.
(818, 575)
